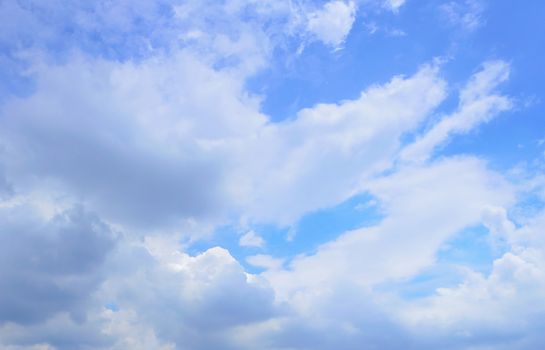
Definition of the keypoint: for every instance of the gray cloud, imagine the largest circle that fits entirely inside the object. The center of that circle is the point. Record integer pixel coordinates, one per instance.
(193, 302)
(6, 188)
(347, 318)
(79, 134)
(49, 267)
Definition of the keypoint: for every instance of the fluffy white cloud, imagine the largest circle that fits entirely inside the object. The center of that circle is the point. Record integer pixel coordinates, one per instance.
(193, 302)
(141, 145)
(165, 142)
(332, 23)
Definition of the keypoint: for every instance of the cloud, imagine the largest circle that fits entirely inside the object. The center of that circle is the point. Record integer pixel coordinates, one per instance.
(156, 153)
(60, 332)
(334, 147)
(139, 134)
(479, 103)
(332, 23)
(193, 302)
(466, 14)
(150, 155)
(49, 267)
(344, 317)
(502, 309)
(153, 296)
(6, 188)
(251, 239)
(265, 261)
(135, 155)
(394, 5)
(435, 197)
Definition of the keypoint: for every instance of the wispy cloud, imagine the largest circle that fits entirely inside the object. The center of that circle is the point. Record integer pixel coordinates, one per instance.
(467, 14)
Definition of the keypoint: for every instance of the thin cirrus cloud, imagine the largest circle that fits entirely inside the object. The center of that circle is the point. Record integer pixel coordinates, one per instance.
(134, 151)
(467, 15)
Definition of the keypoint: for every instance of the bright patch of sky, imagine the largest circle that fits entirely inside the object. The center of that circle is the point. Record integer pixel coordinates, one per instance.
(292, 174)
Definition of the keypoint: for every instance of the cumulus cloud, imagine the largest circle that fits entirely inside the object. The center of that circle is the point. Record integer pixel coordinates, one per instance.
(194, 302)
(153, 154)
(154, 296)
(332, 23)
(128, 146)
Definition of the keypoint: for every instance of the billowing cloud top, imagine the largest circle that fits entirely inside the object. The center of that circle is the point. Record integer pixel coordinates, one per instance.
(269, 175)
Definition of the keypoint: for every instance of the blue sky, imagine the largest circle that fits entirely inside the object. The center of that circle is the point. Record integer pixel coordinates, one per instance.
(298, 174)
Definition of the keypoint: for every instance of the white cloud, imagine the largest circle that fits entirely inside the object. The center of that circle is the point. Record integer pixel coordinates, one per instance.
(394, 5)
(424, 206)
(333, 147)
(148, 148)
(507, 301)
(251, 239)
(172, 146)
(190, 301)
(467, 14)
(200, 159)
(479, 103)
(502, 309)
(265, 261)
(332, 23)
(147, 130)
(162, 299)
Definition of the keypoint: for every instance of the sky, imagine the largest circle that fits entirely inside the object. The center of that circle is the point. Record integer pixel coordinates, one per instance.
(272, 174)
